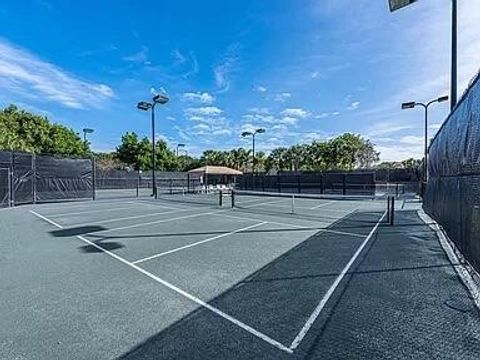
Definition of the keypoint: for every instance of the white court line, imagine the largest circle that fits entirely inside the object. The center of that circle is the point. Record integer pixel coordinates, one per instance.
(298, 339)
(139, 202)
(198, 243)
(266, 203)
(304, 207)
(322, 205)
(91, 211)
(193, 298)
(312, 228)
(128, 218)
(87, 203)
(156, 222)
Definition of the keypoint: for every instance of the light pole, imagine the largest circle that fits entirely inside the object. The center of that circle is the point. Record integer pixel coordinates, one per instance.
(252, 134)
(85, 132)
(179, 146)
(411, 105)
(398, 4)
(145, 106)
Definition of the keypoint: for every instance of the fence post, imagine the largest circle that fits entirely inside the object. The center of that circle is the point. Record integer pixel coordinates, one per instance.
(138, 181)
(12, 163)
(34, 179)
(10, 187)
(94, 178)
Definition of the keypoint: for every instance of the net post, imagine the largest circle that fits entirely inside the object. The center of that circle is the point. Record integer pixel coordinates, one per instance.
(293, 204)
(396, 190)
(233, 198)
(392, 212)
(388, 208)
(220, 198)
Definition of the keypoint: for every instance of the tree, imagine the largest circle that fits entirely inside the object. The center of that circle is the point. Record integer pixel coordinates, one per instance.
(24, 131)
(108, 161)
(135, 152)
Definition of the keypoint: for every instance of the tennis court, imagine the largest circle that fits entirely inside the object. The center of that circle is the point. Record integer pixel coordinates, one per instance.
(191, 276)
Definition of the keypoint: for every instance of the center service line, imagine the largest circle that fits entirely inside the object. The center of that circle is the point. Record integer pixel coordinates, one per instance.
(198, 243)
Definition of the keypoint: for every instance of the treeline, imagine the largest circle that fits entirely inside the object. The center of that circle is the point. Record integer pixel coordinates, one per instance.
(26, 132)
(23, 131)
(344, 152)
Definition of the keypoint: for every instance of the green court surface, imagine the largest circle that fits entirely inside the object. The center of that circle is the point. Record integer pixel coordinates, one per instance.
(139, 278)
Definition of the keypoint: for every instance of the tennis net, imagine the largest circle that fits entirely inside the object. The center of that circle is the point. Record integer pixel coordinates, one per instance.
(183, 195)
(326, 208)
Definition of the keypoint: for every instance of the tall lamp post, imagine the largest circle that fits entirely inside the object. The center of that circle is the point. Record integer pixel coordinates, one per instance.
(145, 106)
(85, 132)
(411, 105)
(179, 146)
(398, 4)
(252, 134)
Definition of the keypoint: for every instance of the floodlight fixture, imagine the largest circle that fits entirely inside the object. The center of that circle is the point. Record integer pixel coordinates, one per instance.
(408, 105)
(160, 99)
(398, 4)
(143, 105)
(412, 104)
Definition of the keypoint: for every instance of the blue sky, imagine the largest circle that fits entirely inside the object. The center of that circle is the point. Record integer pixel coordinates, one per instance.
(303, 69)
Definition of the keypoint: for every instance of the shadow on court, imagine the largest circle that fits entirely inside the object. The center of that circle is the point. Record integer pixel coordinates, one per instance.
(76, 231)
(84, 230)
(399, 300)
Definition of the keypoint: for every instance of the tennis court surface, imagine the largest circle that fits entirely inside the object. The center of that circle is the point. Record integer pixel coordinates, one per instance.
(284, 277)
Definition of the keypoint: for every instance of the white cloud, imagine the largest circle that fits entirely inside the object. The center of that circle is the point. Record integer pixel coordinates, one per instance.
(412, 140)
(262, 111)
(222, 72)
(222, 132)
(198, 97)
(178, 57)
(387, 127)
(140, 57)
(25, 74)
(201, 127)
(354, 105)
(203, 111)
(260, 89)
(295, 113)
(326, 114)
(282, 97)
(288, 120)
(315, 74)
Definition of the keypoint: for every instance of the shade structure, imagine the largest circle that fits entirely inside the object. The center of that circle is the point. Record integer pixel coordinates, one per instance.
(215, 170)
